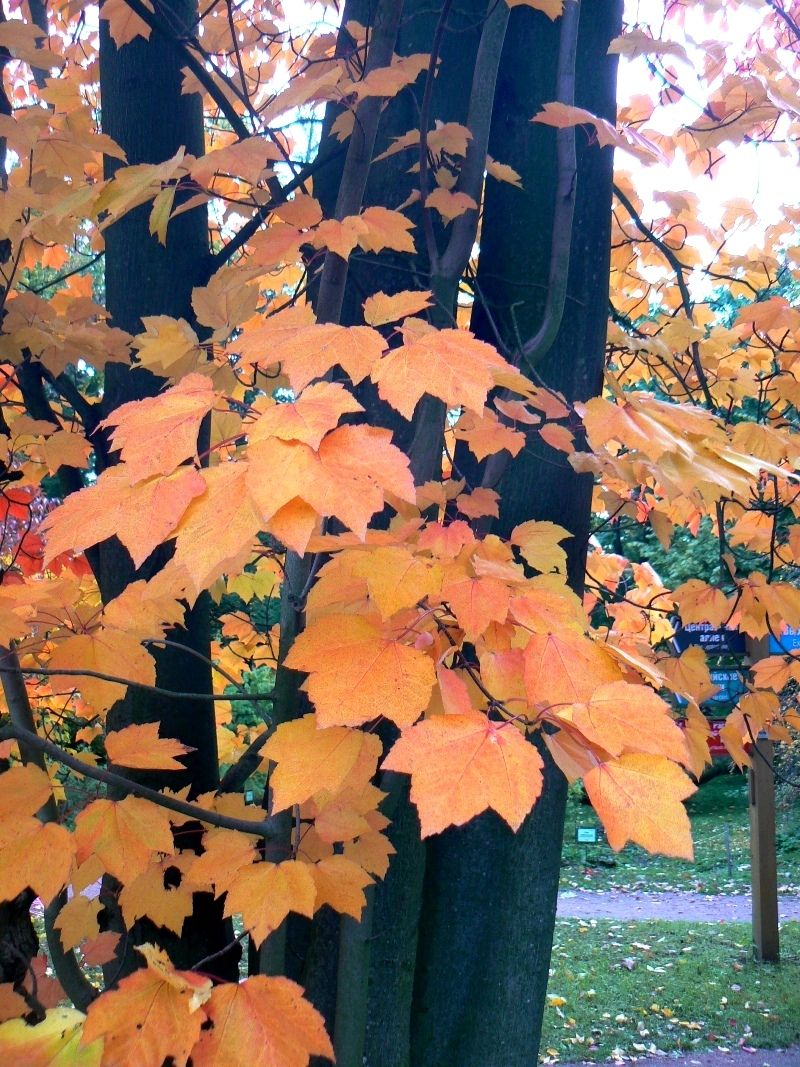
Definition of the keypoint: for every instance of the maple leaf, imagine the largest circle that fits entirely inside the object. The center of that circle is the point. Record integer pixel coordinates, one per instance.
(309, 350)
(279, 1026)
(381, 308)
(153, 894)
(57, 1041)
(565, 668)
(23, 791)
(621, 717)
(385, 228)
(539, 543)
(123, 23)
(157, 434)
(140, 746)
(689, 674)
(314, 413)
(487, 435)
(153, 1014)
(697, 733)
(264, 894)
(396, 578)
(460, 765)
(310, 759)
(349, 477)
(699, 602)
(477, 603)
(104, 651)
(168, 346)
(450, 204)
(358, 672)
(340, 884)
(141, 516)
(639, 798)
(124, 835)
(77, 920)
(303, 211)
(552, 8)
(449, 364)
(38, 856)
(225, 853)
(216, 534)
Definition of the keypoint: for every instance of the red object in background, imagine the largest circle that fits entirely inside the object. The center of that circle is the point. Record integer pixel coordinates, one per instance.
(715, 746)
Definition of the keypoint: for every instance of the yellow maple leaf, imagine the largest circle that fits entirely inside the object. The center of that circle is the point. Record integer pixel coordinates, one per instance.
(140, 746)
(310, 759)
(57, 1041)
(264, 894)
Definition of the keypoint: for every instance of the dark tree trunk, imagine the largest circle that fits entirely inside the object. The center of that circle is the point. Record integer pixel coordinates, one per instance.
(490, 895)
(379, 965)
(145, 112)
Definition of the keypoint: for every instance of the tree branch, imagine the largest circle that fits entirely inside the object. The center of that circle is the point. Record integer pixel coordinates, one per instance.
(479, 121)
(564, 210)
(75, 672)
(686, 299)
(77, 987)
(162, 28)
(259, 827)
(424, 122)
(328, 305)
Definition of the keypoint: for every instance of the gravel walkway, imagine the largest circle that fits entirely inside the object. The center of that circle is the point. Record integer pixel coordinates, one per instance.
(762, 1057)
(679, 907)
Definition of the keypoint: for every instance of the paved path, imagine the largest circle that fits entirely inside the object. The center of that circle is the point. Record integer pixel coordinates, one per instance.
(684, 907)
(762, 1057)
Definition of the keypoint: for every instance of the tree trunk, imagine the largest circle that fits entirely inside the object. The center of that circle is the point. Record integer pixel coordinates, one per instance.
(490, 895)
(145, 112)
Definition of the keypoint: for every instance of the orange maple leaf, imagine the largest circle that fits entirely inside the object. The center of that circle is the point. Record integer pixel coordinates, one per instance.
(460, 765)
(157, 434)
(124, 835)
(358, 672)
(639, 798)
(449, 364)
(151, 1016)
(381, 308)
(271, 1016)
(264, 894)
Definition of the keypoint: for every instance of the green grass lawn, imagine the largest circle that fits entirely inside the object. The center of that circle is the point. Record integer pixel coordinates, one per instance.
(641, 987)
(719, 815)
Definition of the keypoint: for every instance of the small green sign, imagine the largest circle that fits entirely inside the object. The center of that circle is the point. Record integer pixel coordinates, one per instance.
(587, 835)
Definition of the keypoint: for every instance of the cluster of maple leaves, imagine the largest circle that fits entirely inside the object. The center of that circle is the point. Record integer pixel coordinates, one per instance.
(469, 644)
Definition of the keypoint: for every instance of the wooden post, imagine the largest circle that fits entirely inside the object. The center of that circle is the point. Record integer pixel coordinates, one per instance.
(763, 858)
(763, 861)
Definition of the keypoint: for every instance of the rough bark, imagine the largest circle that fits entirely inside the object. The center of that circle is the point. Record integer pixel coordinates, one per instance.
(144, 110)
(489, 901)
(386, 941)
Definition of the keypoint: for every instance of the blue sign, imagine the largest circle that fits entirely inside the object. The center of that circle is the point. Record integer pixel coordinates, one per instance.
(731, 686)
(787, 641)
(715, 640)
